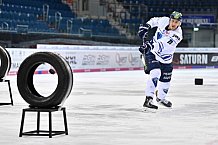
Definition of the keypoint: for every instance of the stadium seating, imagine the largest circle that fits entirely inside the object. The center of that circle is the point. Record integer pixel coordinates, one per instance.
(34, 15)
(143, 10)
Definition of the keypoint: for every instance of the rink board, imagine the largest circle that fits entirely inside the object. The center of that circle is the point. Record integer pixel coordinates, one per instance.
(112, 58)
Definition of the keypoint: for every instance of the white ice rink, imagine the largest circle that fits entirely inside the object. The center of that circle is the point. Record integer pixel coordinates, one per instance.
(105, 108)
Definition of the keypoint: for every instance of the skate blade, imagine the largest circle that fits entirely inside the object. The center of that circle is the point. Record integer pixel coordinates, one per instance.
(163, 106)
(149, 110)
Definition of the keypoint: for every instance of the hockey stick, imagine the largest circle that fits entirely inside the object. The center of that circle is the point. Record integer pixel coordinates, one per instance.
(142, 56)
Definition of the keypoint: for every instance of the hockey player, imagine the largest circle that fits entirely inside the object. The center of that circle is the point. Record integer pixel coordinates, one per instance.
(158, 54)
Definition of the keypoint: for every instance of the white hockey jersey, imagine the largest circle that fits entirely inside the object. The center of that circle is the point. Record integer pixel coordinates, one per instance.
(165, 42)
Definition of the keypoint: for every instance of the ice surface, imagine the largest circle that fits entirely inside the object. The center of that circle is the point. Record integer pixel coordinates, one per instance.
(105, 108)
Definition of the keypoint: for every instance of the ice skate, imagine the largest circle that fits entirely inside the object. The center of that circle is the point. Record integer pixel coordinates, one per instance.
(149, 103)
(164, 102)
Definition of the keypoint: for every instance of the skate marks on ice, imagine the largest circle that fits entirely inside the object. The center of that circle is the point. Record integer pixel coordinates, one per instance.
(103, 110)
(190, 111)
(160, 109)
(115, 111)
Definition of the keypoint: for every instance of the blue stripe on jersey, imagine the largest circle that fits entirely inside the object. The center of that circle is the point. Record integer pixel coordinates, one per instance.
(165, 57)
(161, 47)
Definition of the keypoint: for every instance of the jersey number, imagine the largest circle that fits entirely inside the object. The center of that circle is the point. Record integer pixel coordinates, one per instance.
(170, 41)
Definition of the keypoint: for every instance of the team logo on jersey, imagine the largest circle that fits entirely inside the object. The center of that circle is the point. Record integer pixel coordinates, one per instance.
(166, 32)
(159, 35)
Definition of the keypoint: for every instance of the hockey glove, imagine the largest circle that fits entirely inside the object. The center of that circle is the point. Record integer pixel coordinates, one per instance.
(149, 45)
(143, 31)
(142, 49)
(146, 47)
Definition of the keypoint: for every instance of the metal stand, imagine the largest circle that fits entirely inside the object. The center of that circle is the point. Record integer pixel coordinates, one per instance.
(9, 87)
(39, 132)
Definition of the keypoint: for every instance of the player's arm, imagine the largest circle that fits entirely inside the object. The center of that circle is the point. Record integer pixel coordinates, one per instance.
(153, 22)
(144, 28)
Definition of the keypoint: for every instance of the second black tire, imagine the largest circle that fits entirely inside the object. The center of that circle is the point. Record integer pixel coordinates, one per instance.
(25, 80)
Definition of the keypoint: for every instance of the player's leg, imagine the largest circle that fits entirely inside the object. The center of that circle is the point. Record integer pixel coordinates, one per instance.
(164, 84)
(152, 81)
(150, 88)
(153, 68)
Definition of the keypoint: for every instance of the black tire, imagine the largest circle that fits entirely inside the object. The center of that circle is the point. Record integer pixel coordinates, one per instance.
(5, 62)
(25, 80)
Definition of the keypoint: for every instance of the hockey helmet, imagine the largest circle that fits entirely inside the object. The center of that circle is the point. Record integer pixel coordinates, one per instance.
(176, 15)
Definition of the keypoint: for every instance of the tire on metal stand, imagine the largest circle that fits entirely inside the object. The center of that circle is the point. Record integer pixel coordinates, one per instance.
(25, 80)
(5, 64)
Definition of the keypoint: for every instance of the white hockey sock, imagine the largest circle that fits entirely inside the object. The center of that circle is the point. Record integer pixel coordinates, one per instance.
(152, 82)
(162, 88)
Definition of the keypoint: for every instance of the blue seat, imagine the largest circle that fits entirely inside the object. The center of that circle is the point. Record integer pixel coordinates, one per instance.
(24, 12)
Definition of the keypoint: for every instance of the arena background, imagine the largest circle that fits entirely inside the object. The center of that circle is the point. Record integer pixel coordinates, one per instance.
(105, 108)
(25, 24)
(100, 22)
